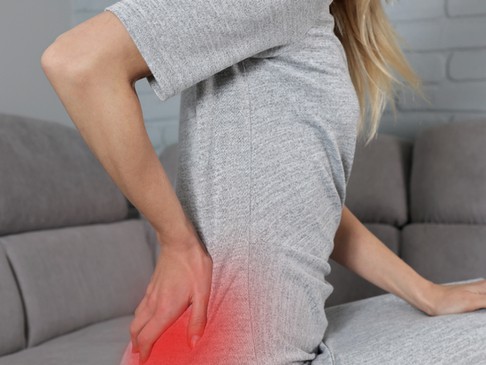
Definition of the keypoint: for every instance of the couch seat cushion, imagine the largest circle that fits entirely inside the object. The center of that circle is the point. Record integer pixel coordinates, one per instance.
(101, 343)
(387, 330)
(74, 276)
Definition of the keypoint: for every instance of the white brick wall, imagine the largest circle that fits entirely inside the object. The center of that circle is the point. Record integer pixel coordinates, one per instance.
(468, 65)
(466, 7)
(445, 42)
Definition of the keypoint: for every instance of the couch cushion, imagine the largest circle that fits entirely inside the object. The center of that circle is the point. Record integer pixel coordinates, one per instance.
(349, 286)
(12, 333)
(151, 238)
(51, 179)
(387, 330)
(448, 182)
(72, 277)
(169, 158)
(445, 252)
(102, 343)
(378, 184)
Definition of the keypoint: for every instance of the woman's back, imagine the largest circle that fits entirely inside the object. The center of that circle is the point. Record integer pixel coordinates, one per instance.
(266, 145)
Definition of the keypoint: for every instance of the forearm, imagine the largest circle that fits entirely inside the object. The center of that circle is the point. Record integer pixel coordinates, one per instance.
(106, 110)
(356, 248)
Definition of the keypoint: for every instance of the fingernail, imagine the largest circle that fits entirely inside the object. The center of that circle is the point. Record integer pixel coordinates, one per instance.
(194, 340)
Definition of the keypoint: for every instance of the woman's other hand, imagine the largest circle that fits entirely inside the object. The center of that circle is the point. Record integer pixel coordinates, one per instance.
(458, 298)
(182, 277)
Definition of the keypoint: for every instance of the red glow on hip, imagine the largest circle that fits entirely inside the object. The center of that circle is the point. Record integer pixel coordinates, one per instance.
(226, 337)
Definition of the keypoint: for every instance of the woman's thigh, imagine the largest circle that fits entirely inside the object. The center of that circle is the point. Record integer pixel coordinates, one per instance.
(387, 330)
(266, 307)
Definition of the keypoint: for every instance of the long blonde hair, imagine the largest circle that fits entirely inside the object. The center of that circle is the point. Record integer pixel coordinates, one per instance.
(373, 50)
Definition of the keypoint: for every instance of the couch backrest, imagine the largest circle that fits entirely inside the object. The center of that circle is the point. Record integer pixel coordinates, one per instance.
(377, 195)
(377, 191)
(445, 239)
(51, 179)
(76, 256)
(448, 181)
(12, 336)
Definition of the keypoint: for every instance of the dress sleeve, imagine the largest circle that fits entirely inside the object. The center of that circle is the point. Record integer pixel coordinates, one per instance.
(186, 41)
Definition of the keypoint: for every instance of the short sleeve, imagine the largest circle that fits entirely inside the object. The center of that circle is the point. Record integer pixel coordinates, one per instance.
(186, 41)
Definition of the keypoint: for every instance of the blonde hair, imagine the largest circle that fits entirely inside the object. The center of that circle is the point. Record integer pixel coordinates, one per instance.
(373, 51)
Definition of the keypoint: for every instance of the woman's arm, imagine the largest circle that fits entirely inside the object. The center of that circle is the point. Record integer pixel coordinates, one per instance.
(93, 68)
(356, 248)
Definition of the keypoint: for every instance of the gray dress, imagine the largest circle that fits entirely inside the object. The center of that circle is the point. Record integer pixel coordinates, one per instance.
(266, 145)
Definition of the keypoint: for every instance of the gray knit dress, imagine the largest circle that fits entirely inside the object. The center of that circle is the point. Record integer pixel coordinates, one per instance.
(267, 137)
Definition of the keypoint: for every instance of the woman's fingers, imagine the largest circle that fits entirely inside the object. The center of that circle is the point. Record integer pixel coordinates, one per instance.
(142, 315)
(479, 286)
(141, 306)
(182, 277)
(460, 298)
(473, 295)
(478, 294)
(161, 319)
(477, 301)
(198, 319)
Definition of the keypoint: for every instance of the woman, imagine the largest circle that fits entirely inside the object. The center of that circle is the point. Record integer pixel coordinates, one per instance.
(274, 95)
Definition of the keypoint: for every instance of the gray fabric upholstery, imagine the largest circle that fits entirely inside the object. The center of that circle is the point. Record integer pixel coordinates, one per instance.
(151, 238)
(387, 330)
(50, 178)
(11, 311)
(449, 174)
(445, 252)
(169, 159)
(101, 343)
(72, 277)
(378, 185)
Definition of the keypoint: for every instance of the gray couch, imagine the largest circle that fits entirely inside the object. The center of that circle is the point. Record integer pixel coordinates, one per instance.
(426, 200)
(75, 256)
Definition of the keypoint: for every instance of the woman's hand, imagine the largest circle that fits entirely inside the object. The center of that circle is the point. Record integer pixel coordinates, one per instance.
(182, 277)
(458, 298)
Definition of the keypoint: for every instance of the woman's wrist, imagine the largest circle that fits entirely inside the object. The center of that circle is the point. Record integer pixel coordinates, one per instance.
(180, 232)
(427, 295)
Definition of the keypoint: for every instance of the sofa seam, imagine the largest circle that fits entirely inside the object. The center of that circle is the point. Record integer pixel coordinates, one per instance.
(243, 63)
(25, 314)
(333, 359)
